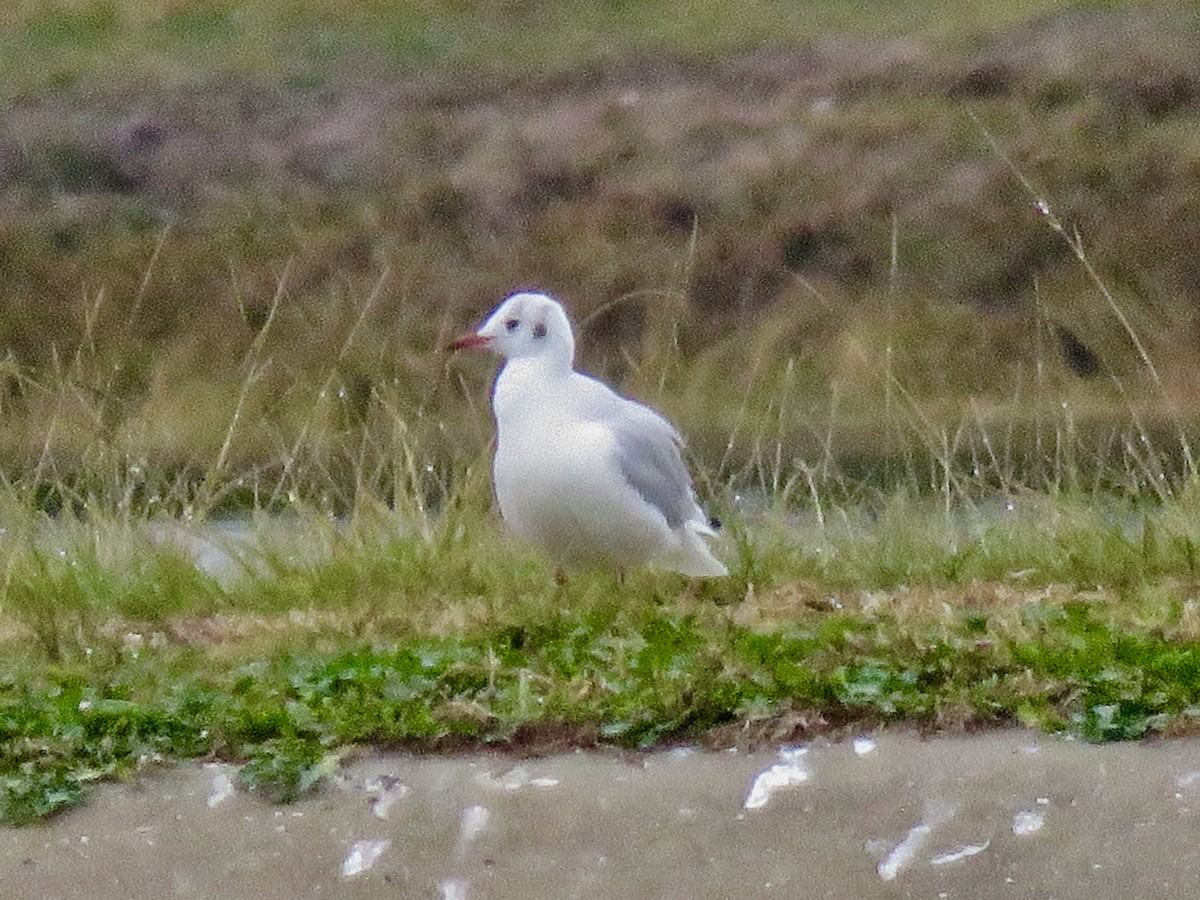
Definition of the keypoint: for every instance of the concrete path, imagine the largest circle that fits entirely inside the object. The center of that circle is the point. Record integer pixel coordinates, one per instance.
(1006, 815)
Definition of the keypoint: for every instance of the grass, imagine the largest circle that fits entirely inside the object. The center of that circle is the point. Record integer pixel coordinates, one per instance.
(904, 548)
(930, 517)
(57, 44)
(100, 178)
(217, 215)
(316, 635)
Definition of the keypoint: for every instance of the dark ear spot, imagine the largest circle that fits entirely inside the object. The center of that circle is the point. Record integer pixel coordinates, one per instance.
(539, 330)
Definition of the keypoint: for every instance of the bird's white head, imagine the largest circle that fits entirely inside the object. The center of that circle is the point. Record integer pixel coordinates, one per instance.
(527, 325)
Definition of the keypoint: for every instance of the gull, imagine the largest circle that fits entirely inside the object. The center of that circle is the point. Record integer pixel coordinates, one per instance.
(592, 477)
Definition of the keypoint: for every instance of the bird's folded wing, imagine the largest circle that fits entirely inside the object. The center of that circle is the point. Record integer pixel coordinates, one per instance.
(647, 449)
(648, 457)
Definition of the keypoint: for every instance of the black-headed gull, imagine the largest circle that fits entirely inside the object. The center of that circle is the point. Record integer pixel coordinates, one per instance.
(591, 476)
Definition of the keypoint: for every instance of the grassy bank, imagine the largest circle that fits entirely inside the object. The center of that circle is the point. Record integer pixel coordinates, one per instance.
(61, 43)
(311, 636)
(216, 212)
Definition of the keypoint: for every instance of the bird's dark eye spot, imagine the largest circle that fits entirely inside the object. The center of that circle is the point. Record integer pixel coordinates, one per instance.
(512, 324)
(539, 330)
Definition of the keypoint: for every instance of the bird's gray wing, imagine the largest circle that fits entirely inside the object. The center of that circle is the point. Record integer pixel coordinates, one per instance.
(649, 460)
(647, 449)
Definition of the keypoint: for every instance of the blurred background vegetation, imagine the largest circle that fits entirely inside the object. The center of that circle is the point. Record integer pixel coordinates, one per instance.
(834, 241)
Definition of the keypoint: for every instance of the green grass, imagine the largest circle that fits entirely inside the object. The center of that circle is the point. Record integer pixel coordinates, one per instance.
(1062, 613)
(54, 44)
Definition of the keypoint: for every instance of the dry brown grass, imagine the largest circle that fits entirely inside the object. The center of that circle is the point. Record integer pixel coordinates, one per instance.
(810, 245)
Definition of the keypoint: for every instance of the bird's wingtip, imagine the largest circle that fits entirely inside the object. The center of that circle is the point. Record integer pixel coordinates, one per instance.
(695, 557)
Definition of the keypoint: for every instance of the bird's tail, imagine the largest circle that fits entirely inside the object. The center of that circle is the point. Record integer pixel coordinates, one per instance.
(693, 557)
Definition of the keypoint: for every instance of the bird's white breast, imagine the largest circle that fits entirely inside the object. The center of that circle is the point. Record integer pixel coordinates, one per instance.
(558, 485)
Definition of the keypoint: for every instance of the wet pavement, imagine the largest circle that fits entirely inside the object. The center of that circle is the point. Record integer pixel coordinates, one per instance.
(1010, 814)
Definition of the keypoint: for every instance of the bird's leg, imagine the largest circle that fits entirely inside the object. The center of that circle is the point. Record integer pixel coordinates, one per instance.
(689, 593)
(560, 577)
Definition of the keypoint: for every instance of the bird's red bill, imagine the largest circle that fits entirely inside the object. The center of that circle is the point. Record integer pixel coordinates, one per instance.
(471, 341)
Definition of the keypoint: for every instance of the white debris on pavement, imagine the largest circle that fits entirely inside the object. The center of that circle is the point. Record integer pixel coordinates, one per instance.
(1027, 822)
(900, 856)
(903, 853)
(514, 779)
(472, 823)
(953, 856)
(789, 772)
(222, 789)
(363, 855)
(385, 791)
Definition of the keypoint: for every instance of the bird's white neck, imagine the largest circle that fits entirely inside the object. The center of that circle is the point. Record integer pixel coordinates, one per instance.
(528, 381)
